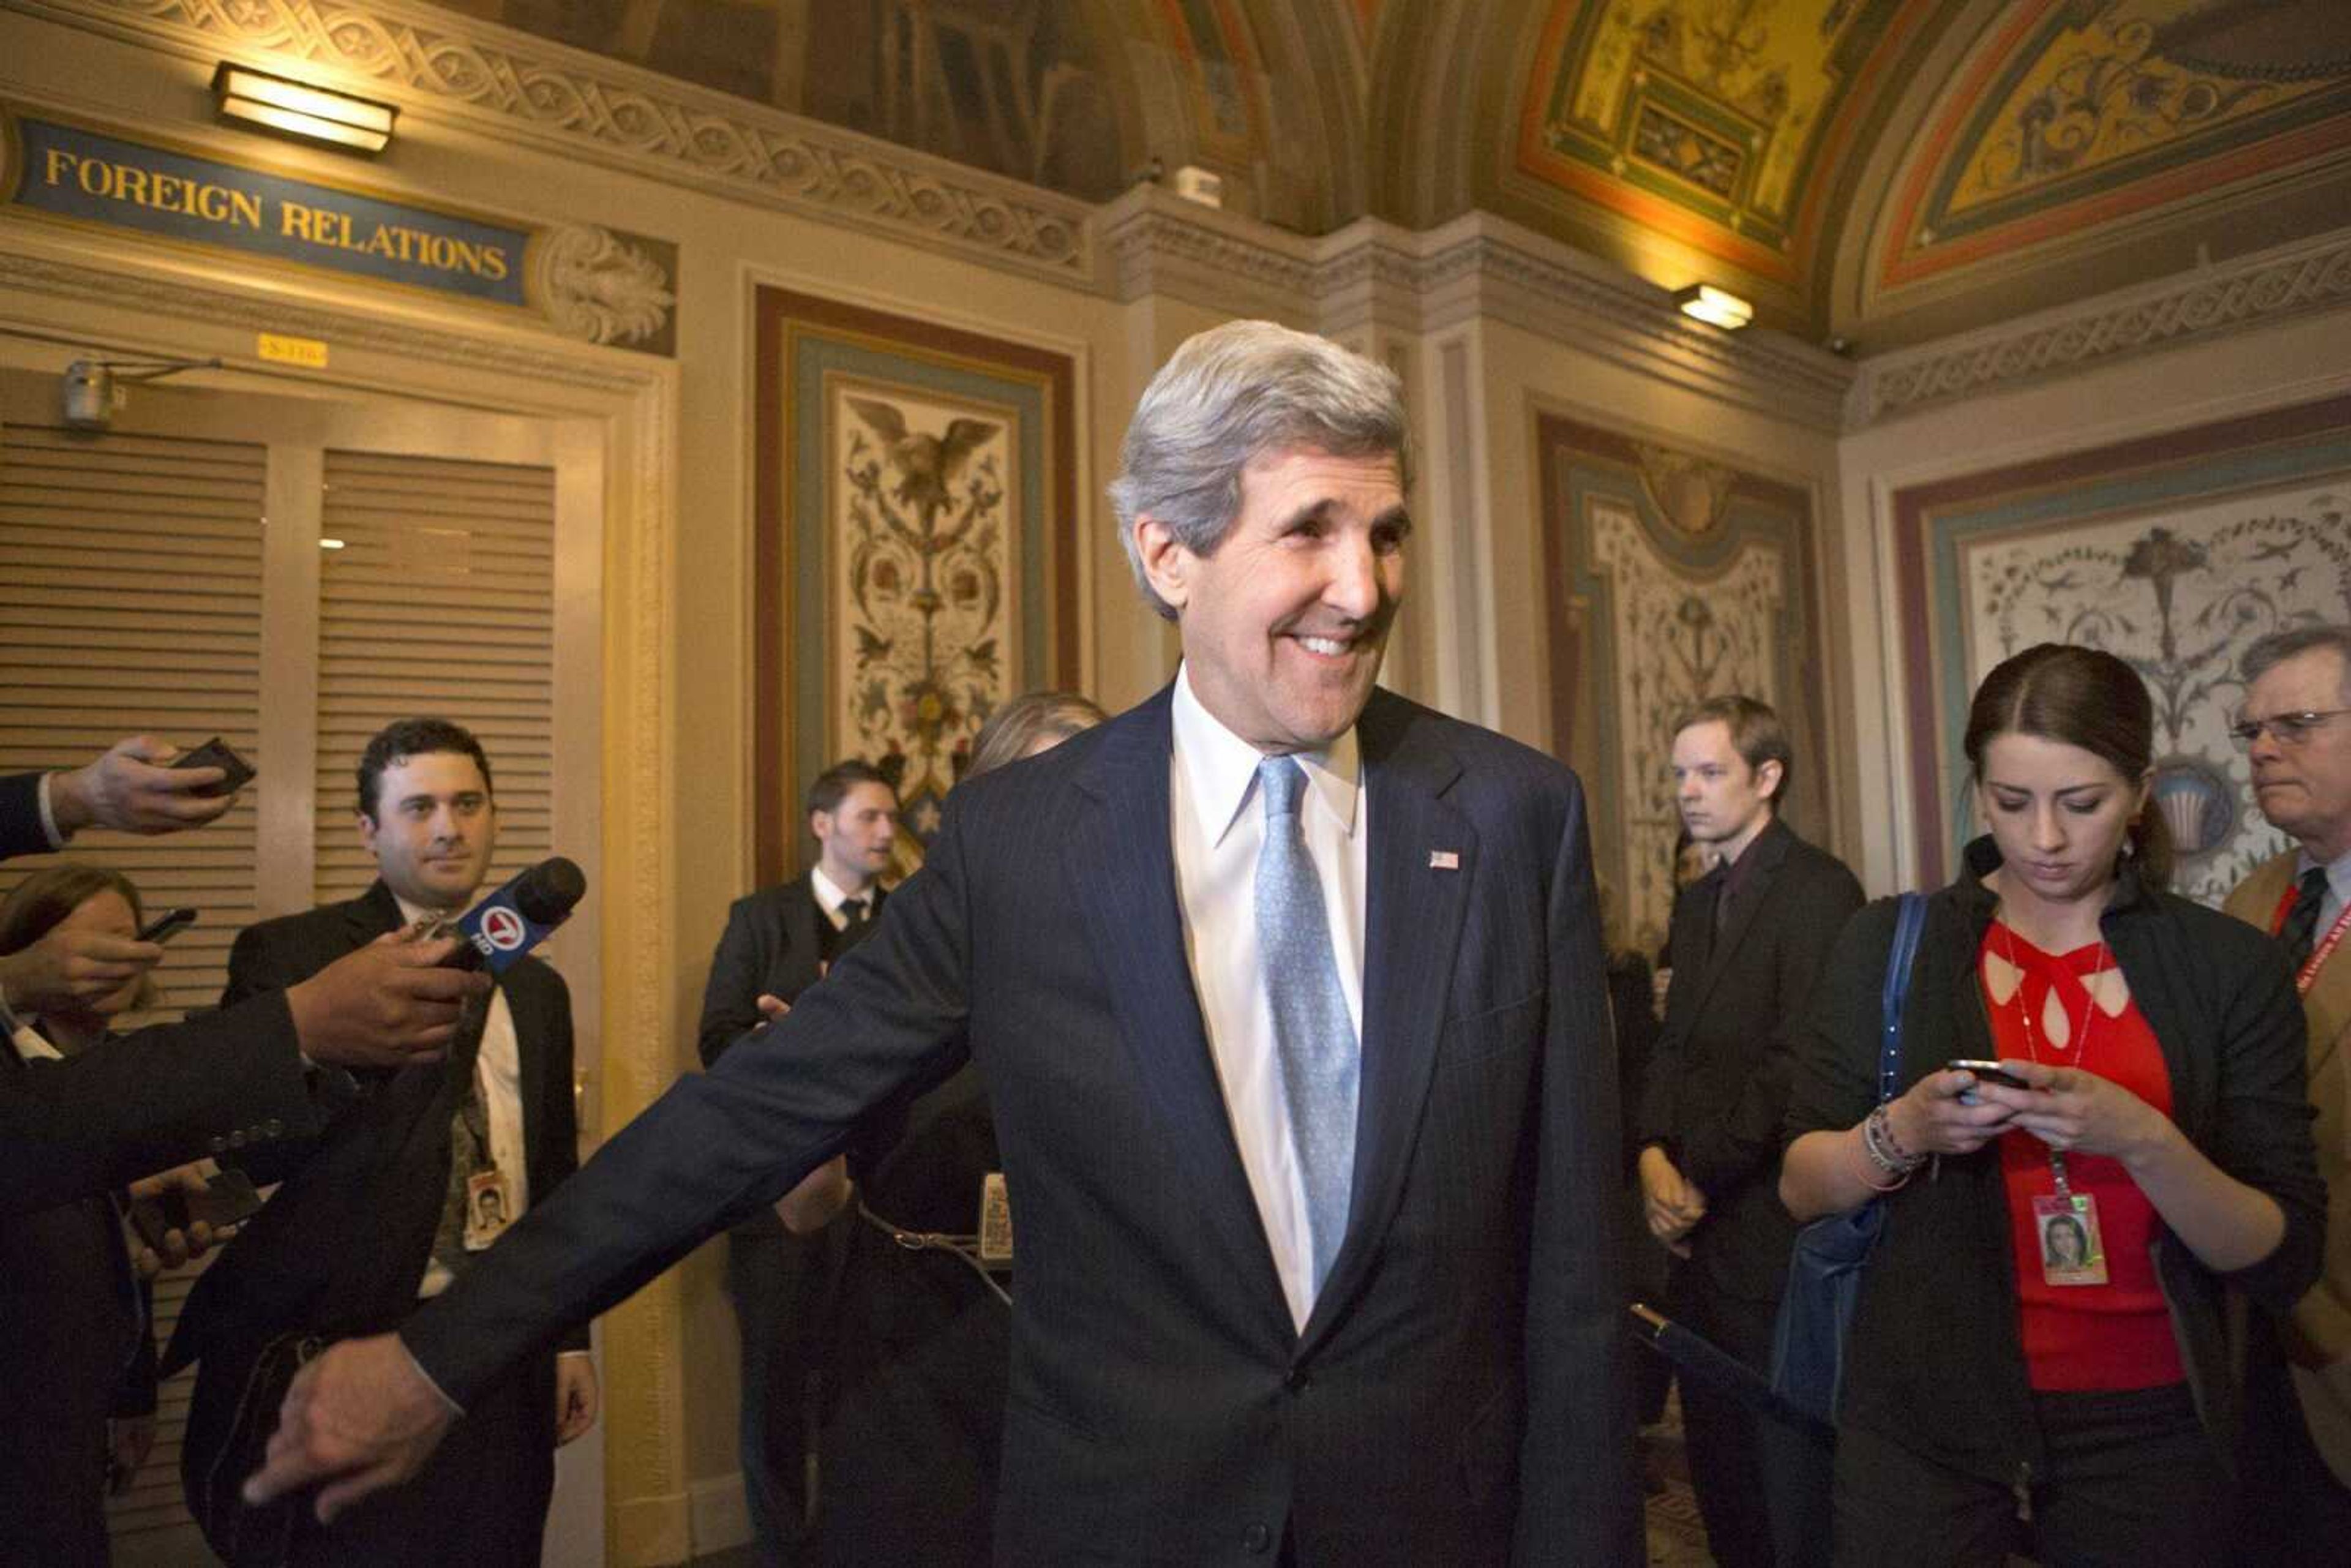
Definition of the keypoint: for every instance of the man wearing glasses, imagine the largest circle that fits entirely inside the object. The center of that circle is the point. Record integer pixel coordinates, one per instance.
(2295, 729)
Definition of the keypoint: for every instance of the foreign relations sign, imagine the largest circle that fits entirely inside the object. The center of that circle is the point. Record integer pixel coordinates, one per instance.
(597, 284)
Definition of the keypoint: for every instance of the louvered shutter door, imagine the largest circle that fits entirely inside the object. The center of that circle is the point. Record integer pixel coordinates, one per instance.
(131, 601)
(440, 603)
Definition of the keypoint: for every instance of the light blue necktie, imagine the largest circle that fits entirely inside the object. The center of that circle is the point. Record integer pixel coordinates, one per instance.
(1321, 1067)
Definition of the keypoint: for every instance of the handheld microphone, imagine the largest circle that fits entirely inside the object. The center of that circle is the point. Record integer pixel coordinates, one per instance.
(511, 922)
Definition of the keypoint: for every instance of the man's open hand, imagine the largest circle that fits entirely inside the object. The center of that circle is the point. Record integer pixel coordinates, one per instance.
(388, 1004)
(358, 1419)
(133, 789)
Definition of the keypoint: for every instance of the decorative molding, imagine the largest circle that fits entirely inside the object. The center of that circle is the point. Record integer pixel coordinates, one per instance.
(583, 105)
(79, 276)
(1478, 266)
(2262, 289)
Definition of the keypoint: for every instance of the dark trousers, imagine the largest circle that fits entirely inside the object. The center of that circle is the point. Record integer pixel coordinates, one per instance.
(2131, 1481)
(781, 1285)
(1762, 1488)
(480, 1499)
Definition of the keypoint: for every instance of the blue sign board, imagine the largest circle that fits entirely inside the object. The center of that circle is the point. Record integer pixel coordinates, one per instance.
(79, 173)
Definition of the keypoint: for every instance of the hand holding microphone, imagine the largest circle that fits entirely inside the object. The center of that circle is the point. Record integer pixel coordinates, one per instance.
(400, 1000)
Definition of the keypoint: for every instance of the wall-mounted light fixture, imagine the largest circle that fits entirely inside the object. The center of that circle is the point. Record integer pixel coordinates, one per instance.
(307, 113)
(1715, 307)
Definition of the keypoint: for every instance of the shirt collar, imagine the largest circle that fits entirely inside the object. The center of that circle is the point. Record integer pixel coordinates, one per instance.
(32, 1046)
(2338, 873)
(410, 914)
(829, 895)
(1220, 767)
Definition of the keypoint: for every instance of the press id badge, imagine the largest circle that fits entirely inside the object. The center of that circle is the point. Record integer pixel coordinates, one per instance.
(2071, 1251)
(489, 1209)
(995, 1221)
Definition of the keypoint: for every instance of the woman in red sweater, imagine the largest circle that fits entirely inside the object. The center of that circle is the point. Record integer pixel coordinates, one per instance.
(2039, 1358)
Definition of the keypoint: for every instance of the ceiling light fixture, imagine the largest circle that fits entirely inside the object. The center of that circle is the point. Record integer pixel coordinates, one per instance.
(1715, 307)
(309, 113)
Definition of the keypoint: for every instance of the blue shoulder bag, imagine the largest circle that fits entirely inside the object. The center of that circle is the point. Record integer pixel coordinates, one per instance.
(1825, 1270)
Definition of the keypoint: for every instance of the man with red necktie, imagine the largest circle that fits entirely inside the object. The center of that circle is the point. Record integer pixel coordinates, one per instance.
(2295, 727)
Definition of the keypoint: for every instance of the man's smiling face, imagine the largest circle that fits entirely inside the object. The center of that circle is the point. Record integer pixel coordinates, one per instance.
(1285, 621)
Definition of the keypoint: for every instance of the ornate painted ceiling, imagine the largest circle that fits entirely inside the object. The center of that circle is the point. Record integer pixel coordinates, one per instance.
(1879, 170)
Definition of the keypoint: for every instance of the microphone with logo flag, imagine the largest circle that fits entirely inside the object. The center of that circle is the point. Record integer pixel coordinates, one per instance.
(511, 922)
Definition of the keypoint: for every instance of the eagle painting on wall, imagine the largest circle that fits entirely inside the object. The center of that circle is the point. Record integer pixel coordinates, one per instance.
(926, 534)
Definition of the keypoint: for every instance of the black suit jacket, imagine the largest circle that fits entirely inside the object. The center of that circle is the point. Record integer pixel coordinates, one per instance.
(1456, 1390)
(773, 946)
(20, 816)
(1717, 1081)
(378, 1175)
(74, 1350)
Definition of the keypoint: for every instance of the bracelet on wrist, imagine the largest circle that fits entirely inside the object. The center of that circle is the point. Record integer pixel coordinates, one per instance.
(1883, 1147)
(1861, 1168)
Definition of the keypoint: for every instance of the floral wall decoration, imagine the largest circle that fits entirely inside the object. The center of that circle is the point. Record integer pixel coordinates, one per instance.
(916, 551)
(2174, 553)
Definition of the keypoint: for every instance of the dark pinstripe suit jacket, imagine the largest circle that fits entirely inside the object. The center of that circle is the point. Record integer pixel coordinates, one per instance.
(1452, 1399)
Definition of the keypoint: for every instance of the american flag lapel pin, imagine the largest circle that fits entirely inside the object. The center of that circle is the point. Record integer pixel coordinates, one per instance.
(1444, 860)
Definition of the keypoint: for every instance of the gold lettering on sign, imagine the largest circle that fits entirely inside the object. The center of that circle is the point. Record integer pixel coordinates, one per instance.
(152, 189)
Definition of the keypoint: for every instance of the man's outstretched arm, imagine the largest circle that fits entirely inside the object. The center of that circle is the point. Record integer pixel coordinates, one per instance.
(714, 1148)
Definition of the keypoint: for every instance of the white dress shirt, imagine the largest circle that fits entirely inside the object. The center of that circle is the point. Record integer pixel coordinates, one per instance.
(499, 1069)
(1216, 823)
(830, 897)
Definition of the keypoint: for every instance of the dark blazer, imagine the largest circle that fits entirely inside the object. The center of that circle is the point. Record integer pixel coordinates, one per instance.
(379, 1173)
(74, 1350)
(20, 816)
(1939, 1293)
(1717, 1080)
(772, 947)
(1456, 1396)
(139, 1103)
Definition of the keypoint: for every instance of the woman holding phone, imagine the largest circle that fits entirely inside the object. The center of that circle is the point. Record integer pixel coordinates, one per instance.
(2039, 1358)
(75, 1355)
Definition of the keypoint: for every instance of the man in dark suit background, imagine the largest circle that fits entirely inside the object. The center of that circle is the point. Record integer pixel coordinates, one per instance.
(388, 1206)
(1290, 999)
(778, 942)
(1748, 940)
(139, 1103)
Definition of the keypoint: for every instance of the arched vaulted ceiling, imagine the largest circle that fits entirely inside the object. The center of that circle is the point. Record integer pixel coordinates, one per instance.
(1877, 169)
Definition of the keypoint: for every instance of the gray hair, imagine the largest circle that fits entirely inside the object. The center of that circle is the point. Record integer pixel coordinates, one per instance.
(2268, 652)
(1228, 396)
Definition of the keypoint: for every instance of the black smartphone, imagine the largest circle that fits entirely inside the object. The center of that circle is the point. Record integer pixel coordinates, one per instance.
(1987, 1072)
(229, 1197)
(168, 925)
(217, 753)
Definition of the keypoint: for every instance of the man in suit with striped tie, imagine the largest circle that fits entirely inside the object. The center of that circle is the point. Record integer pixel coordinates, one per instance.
(778, 942)
(1289, 997)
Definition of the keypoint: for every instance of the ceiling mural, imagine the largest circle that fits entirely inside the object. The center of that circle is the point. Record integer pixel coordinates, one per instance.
(2075, 114)
(1877, 171)
(1704, 119)
(1220, 61)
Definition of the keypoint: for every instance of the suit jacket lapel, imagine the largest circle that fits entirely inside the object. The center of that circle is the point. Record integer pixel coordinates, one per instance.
(1771, 850)
(1122, 868)
(1412, 921)
(372, 914)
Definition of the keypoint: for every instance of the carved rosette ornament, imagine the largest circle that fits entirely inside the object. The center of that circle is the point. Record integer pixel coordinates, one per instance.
(597, 287)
